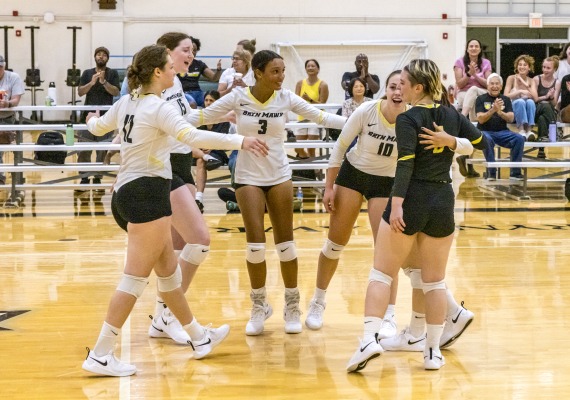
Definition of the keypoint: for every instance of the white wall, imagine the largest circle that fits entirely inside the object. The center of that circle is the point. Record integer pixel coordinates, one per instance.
(220, 25)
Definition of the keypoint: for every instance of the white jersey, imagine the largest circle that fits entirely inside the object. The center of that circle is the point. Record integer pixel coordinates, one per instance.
(265, 121)
(175, 95)
(145, 123)
(375, 152)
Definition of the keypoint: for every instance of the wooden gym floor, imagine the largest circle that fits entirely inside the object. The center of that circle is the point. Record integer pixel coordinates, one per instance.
(61, 258)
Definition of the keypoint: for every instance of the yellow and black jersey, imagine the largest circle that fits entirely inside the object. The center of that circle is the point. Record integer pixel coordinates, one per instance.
(414, 161)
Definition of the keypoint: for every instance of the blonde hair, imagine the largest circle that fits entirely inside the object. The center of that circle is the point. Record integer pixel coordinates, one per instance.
(527, 59)
(555, 60)
(426, 73)
(245, 56)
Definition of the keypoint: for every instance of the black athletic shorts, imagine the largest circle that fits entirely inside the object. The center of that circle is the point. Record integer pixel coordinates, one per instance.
(182, 166)
(428, 207)
(266, 189)
(142, 200)
(370, 186)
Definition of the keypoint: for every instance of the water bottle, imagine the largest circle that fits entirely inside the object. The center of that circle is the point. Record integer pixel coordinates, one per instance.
(69, 135)
(52, 94)
(552, 131)
(298, 201)
(300, 193)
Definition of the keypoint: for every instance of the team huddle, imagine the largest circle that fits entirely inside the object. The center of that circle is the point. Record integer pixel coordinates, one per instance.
(400, 163)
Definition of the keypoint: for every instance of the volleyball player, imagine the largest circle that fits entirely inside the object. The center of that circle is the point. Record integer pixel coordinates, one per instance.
(261, 112)
(141, 204)
(367, 171)
(190, 233)
(420, 209)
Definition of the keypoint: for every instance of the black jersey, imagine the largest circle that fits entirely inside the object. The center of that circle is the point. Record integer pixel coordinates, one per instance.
(414, 161)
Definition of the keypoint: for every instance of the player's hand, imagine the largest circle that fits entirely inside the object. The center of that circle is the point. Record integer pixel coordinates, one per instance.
(328, 199)
(436, 138)
(397, 219)
(256, 146)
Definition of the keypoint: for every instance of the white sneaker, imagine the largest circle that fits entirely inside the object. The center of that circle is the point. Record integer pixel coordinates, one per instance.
(259, 313)
(107, 365)
(433, 359)
(202, 347)
(454, 326)
(315, 315)
(166, 325)
(531, 136)
(292, 317)
(366, 351)
(217, 334)
(389, 327)
(404, 342)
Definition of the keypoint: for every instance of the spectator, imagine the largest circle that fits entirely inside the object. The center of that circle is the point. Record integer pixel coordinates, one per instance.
(548, 90)
(494, 112)
(190, 80)
(563, 66)
(99, 85)
(314, 91)
(371, 82)
(356, 91)
(11, 90)
(521, 89)
(241, 74)
(565, 99)
(228, 74)
(219, 156)
(471, 72)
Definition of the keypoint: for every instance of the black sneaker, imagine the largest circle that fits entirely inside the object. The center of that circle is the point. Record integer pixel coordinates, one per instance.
(462, 162)
(84, 181)
(213, 163)
(541, 153)
(517, 177)
(97, 181)
(471, 173)
(200, 206)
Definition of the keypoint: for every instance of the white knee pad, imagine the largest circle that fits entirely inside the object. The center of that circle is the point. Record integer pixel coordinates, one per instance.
(415, 276)
(255, 253)
(195, 253)
(133, 285)
(331, 250)
(286, 251)
(170, 283)
(429, 286)
(379, 276)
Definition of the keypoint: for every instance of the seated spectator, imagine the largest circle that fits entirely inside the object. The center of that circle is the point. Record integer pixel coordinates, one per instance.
(190, 80)
(242, 73)
(471, 72)
(356, 91)
(548, 90)
(564, 105)
(521, 89)
(563, 66)
(494, 112)
(312, 90)
(219, 156)
(11, 90)
(371, 81)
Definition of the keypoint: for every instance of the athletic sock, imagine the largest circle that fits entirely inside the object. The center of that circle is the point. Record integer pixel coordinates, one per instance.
(319, 296)
(371, 326)
(195, 330)
(159, 306)
(433, 336)
(106, 341)
(417, 324)
(199, 196)
(390, 311)
(452, 306)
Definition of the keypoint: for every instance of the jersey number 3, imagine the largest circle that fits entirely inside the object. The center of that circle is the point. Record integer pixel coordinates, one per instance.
(263, 127)
(127, 128)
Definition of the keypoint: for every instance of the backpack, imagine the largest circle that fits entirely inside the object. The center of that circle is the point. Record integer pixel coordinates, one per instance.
(51, 138)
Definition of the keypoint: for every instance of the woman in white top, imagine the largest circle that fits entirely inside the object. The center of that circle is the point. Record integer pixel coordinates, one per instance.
(564, 65)
(240, 75)
(261, 112)
(141, 200)
(521, 89)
